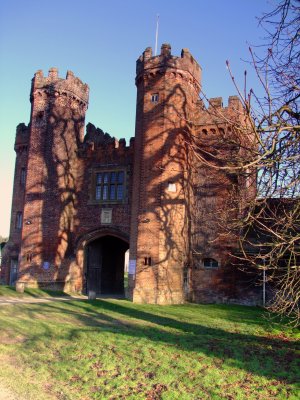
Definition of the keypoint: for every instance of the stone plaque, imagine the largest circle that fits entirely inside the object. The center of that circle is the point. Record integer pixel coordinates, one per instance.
(106, 214)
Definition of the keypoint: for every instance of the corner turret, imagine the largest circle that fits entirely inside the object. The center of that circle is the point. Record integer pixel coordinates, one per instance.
(22, 137)
(167, 94)
(186, 65)
(52, 83)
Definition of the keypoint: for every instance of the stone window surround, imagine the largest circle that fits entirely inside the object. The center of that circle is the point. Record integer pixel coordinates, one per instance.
(104, 169)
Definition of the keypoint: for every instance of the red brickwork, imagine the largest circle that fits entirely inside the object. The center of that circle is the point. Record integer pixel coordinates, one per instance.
(172, 201)
(218, 197)
(159, 214)
(56, 128)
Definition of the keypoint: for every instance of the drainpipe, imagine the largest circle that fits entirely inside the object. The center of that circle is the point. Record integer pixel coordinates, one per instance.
(264, 283)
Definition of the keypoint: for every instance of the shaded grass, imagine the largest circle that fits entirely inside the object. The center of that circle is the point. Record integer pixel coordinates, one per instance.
(115, 349)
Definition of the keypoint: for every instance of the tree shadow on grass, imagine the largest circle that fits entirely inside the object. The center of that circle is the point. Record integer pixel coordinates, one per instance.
(268, 357)
(178, 315)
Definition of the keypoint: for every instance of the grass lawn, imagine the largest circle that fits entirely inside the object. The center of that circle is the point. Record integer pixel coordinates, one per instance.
(113, 349)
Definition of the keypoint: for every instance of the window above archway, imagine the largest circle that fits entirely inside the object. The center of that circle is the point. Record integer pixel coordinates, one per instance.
(109, 186)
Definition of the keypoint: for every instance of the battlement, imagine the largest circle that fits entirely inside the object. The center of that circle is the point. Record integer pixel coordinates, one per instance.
(22, 136)
(71, 85)
(22, 130)
(96, 139)
(97, 136)
(147, 63)
(217, 113)
(234, 103)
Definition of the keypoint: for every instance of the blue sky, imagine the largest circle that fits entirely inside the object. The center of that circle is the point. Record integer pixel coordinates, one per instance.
(100, 40)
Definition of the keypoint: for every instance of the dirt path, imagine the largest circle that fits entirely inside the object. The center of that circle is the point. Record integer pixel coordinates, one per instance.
(7, 394)
(21, 300)
(4, 300)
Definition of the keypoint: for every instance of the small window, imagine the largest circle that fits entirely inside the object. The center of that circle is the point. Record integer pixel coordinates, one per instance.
(19, 219)
(210, 263)
(186, 280)
(147, 261)
(154, 98)
(23, 177)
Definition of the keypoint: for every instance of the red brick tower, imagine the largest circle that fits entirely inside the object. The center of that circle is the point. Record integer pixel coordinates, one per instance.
(12, 248)
(167, 92)
(56, 129)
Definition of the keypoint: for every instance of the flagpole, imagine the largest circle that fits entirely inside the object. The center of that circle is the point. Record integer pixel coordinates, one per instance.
(156, 34)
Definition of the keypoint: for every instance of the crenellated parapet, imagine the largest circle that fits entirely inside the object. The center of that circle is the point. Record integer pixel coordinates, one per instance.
(184, 67)
(217, 113)
(98, 143)
(97, 136)
(234, 103)
(54, 85)
(22, 137)
(58, 106)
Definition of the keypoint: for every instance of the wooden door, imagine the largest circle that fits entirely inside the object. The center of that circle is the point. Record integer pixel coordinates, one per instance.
(94, 267)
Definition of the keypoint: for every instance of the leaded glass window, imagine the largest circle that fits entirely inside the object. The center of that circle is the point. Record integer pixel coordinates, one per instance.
(110, 186)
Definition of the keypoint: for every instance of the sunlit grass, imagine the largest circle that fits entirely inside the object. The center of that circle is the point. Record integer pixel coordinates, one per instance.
(115, 349)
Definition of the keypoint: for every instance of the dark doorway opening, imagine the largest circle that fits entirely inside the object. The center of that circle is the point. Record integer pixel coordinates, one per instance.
(13, 275)
(105, 258)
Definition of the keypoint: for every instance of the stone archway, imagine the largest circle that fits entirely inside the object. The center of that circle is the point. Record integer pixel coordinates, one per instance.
(104, 265)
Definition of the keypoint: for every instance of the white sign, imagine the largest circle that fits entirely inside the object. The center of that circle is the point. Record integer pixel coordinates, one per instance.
(172, 187)
(132, 267)
(46, 265)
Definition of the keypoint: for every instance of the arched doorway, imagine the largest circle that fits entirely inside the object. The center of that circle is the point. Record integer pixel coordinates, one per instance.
(105, 259)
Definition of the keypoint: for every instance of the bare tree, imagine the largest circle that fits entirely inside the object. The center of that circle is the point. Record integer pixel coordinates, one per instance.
(275, 215)
(267, 226)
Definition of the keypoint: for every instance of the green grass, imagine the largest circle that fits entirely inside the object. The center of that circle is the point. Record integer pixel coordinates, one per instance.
(115, 349)
(126, 280)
